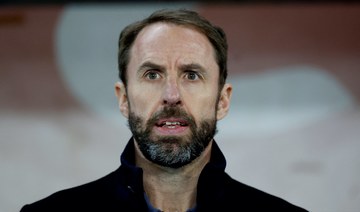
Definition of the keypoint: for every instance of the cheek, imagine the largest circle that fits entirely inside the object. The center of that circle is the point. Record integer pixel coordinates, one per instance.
(142, 103)
(203, 106)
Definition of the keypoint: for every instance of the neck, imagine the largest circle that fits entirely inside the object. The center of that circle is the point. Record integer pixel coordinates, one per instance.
(171, 189)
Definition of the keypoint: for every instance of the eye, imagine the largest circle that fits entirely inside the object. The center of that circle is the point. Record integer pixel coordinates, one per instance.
(152, 75)
(191, 75)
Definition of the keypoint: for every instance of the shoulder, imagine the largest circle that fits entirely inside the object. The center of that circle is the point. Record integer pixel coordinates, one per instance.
(248, 197)
(79, 198)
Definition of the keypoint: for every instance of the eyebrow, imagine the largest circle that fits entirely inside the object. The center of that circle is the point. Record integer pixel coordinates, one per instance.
(150, 65)
(192, 66)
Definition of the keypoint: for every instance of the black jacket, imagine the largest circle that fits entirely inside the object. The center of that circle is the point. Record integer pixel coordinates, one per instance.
(122, 190)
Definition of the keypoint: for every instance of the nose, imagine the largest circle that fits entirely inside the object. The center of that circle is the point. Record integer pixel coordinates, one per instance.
(171, 95)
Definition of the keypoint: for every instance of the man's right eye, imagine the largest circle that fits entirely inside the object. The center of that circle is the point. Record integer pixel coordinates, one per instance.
(152, 75)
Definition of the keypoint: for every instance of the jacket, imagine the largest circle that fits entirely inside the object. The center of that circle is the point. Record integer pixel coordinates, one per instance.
(122, 190)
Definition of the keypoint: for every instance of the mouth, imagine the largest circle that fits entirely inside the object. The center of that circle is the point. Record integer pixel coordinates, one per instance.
(171, 123)
(171, 126)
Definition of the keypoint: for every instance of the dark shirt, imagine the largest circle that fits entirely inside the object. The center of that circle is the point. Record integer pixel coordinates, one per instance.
(122, 190)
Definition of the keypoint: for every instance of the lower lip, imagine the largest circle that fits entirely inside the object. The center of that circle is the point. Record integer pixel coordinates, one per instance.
(171, 131)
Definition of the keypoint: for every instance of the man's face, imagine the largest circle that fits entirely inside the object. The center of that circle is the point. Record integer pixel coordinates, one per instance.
(172, 98)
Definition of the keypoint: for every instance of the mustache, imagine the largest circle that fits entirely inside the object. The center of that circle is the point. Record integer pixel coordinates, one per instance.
(171, 112)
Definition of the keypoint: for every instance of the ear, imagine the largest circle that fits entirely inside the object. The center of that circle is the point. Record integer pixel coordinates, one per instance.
(121, 95)
(224, 101)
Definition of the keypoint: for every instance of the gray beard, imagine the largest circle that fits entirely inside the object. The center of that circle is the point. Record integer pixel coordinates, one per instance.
(172, 151)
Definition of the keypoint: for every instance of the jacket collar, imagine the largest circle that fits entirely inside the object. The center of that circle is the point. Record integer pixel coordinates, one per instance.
(211, 180)
(133, 174)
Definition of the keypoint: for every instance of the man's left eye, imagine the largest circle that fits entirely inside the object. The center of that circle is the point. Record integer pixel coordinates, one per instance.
(192, 76)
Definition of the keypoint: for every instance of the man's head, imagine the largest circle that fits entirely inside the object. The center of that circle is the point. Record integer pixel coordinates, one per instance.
(173, 89)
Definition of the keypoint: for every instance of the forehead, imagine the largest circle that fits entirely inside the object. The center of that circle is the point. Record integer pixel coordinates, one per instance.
(165, 29)
(164, 40)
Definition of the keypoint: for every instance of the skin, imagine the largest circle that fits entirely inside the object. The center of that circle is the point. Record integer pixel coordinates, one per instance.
(172, 65)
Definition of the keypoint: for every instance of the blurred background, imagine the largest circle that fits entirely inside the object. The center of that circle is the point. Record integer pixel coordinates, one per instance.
(294, 123)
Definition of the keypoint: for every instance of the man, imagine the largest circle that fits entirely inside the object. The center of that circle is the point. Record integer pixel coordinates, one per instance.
(173, 91)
